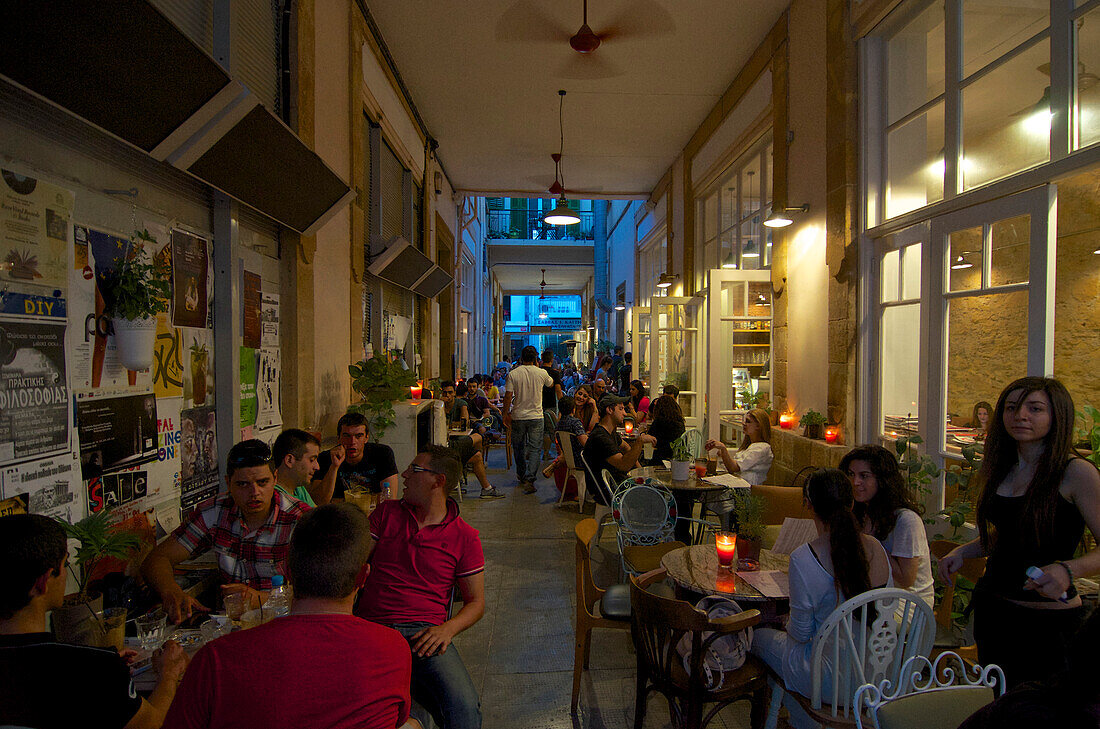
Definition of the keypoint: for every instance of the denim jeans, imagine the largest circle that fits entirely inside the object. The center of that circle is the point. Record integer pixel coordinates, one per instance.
(441, 686)
(527, 448)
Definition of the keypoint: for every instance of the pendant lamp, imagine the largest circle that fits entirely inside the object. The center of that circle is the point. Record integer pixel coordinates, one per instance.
(561, 214)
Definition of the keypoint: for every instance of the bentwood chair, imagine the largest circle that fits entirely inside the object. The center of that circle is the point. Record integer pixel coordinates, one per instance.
(567, 443)
(596, 608)
(660, 621)
(947, 636)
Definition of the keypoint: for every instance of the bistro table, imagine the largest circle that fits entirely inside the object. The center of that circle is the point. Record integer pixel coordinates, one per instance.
(685, 492)
(696, 570)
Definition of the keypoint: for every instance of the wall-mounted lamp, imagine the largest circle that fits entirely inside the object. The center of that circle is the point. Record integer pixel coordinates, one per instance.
(781, 218)
(666, 280)
(961, 263)
(437, 178)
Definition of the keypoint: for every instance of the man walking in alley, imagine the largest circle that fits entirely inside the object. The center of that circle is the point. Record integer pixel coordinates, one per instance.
(523, 414)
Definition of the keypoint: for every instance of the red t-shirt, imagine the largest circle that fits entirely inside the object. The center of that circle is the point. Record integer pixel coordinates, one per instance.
(298, 671)
(413, 570)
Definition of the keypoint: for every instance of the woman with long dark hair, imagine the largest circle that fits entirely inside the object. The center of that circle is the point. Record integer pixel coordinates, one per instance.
(979, 419)
(637, 406)
(839, 564)
(889, 513)
(585, 407)
(751, 461)
(666, 424)
(1037, 497)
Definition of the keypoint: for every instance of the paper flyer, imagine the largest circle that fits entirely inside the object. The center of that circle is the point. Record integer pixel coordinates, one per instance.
(248, 387)
(267, 389)
(198, 456)
(35, 221)
(269, 319)
(190, 259)
(116, 433)
(50, 486)
(34, 396)
(198, 367)
(250, 309)
(167, 359)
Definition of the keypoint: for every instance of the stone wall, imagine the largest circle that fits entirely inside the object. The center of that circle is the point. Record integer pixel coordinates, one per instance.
(793, 452)
(1077, 288)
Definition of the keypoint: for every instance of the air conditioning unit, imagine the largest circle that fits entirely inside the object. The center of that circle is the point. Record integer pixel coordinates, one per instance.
(433, 283)
(401, 263)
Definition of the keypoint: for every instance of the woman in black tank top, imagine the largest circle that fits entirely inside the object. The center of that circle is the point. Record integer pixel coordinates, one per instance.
(1037, 497)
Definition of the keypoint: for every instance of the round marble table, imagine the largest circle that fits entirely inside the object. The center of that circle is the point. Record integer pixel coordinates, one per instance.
(696, 569)
(686, 493)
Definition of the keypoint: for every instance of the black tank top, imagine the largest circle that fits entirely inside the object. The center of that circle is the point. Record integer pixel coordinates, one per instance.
(1014, 548)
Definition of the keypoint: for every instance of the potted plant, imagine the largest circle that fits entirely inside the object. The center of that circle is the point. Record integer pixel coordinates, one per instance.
(1090, 433)
(814, 424)
(379, 382)
(748, 511)
(76, 621)
(137, 290)
(685, 450)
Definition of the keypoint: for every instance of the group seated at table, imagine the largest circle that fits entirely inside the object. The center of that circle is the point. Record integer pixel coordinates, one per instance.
(605, 448)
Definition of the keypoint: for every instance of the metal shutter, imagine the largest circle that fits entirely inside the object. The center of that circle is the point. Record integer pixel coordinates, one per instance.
(392, 204)
(194, 18)
(256, 41)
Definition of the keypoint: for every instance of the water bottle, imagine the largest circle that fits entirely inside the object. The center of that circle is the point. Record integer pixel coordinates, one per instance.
(278, 602)
(387, 492)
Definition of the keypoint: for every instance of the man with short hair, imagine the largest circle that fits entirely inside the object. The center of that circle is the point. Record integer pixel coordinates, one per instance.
(605, 448)
(523, 414)
(671, 390)
(551, 394)
(599, 389)
(354, 462)
(466, 447)
(295, 454)
(626, 374)
(422, 550)
(248, 528)
(344, 671)
(44, 683)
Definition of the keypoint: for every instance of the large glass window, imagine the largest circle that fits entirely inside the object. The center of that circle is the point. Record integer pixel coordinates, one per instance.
(899, 335)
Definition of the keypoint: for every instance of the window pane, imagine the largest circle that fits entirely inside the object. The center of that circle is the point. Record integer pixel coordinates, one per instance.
(726, 258)
(910, 272)
(710, 216)
(733, 301)
(1076, 308)
(1088, 82)
(914, 163)
(986, 349)
(890, 263)
(1010, 251)
(965, 262)
(915, 62)
(751, 244)
(750, 186)
(900, 367)
(992, 29)
(729, 202)
(1006, 118)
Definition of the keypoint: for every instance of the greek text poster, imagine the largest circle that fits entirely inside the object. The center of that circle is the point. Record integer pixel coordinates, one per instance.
(50, 486)
(34, 396)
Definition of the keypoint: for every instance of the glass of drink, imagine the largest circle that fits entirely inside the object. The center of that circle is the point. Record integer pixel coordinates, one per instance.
(700, 467)
(150, 629)
(647, 451)
(215, 627)
(252, 618)
(236, 603)
(112, 622)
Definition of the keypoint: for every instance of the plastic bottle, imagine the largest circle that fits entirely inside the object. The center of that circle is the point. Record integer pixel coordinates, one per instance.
(387, 492)
(278, 603)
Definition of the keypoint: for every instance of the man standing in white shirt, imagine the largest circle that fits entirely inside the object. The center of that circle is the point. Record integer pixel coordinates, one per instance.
(523, 414)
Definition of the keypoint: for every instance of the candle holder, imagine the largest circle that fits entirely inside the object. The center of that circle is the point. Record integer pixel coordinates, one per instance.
(786, 421)
(726, 545)
(628, 426)
(417, 390)
(832, 433)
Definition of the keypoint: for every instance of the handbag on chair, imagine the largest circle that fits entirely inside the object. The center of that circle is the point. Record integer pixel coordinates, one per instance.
(725, 654)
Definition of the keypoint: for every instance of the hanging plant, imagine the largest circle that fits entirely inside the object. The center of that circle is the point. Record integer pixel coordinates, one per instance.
(140, 287)
(379, 382)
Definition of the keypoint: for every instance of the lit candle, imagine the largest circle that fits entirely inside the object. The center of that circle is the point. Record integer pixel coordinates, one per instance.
(786, 421)
(725, 581)
(832, 433)
(726, 544)
(629, 426)
(416, 390)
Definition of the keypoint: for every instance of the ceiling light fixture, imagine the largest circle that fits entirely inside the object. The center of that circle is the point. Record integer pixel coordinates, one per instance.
(561, 214)
(781, 218)
(620, 307)
(961, 263)
(750, 250)
(730, 263)
(666, 280)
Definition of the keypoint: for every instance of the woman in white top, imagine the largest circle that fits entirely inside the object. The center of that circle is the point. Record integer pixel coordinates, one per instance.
(839, 564)
(887, 512)
(751, 461)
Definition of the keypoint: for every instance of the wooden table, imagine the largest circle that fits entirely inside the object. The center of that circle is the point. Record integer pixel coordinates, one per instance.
(696, 570)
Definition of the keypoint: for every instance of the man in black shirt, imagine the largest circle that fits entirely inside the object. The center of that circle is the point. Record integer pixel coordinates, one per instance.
(626, 374)
(606, 449)
(551, 394)
(354, 462)
(47, 684)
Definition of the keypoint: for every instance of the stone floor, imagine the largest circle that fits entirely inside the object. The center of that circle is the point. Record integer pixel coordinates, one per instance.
(520, 654)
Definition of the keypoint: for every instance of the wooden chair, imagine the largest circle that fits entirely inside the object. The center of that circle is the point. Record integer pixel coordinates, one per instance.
(567, 443)
(947, 637)
(659, 624)
(596, 608)
(939, 695)
(781, 502)
(860, 650)
(506, 445)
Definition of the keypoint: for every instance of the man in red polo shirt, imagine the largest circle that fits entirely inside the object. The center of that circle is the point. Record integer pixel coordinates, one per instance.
(320, 666)
(422, 549)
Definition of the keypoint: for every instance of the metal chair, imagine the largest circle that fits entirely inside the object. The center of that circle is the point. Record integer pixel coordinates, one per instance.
(862, 646)
(659, 624)
(645, 512)
(928, 695)
(565, 440)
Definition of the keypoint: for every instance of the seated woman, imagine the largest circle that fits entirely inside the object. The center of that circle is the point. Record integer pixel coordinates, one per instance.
(839, 564)
(567, 423)
(585, 407)
(751, 461)
(887, 512)
(638, 405)
(979, 419)
(468, 447)
(666, 424)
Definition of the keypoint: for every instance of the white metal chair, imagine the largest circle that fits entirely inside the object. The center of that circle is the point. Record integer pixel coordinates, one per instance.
(861, 648)
(572, 469)
(926, 694)
(645, 512)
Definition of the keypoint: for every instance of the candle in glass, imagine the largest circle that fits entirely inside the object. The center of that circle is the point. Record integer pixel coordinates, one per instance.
(786, 421)
(831, 434)
(726, 544)
(628, 425)
(416, 391)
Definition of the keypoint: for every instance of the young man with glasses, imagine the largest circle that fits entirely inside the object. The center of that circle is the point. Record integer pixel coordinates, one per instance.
(44, 683)
(422, 550)
(248, 528)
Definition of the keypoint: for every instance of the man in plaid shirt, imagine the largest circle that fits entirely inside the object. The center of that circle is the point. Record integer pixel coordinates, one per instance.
(249, 529)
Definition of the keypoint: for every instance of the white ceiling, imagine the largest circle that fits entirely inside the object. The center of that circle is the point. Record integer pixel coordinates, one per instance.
(485, 74)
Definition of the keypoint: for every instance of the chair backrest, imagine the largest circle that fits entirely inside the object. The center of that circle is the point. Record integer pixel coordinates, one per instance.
(565, 440)
(781, 502)
(600, 491)
(930, 695)
(645, 512)
(660, 623)
(972, 569)
(587, 592)
(861, 646)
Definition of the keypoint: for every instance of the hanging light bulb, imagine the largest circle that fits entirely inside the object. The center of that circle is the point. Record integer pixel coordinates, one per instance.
(561, 214)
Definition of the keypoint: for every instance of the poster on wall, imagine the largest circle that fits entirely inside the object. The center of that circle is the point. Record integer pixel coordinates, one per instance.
(248, 387)
(189, 280)
(116, 433)
(34, 245)
(198, 367)
(267, 389)
(250, 309)
(49, 486)
(269, 320)
(93, 354)
(198, 456)
(167, 359)
(34, 396)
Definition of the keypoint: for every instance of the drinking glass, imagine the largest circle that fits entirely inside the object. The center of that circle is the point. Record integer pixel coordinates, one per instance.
(112, 622)
(215, 627)
(700, 467)
(150, 629)
(235, 605)
(647, 451)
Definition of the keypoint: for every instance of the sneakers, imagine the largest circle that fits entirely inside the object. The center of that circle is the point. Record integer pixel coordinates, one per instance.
(491, 493)
(529, 487)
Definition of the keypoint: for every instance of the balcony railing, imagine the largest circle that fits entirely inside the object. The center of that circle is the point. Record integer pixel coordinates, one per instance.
(528, 225)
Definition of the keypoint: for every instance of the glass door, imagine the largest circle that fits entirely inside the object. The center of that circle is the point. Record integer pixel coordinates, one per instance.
(739, 351)
(674, 327)
(639, 347)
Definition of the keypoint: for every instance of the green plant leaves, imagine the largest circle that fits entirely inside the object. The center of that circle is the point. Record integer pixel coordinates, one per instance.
(98, 539)
(379, 383)
(139, 288)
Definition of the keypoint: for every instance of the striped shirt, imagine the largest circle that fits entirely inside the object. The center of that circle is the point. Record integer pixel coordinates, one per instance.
(243, 556)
